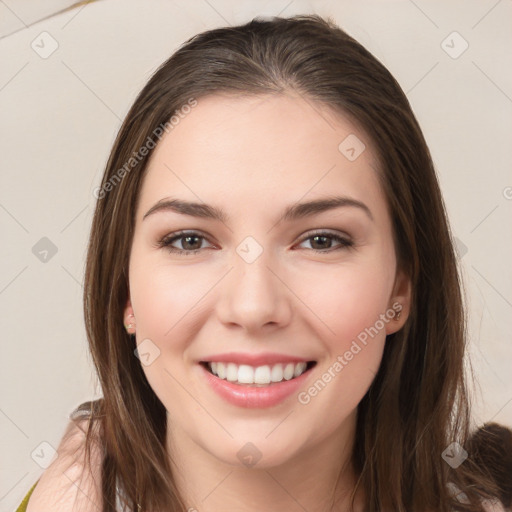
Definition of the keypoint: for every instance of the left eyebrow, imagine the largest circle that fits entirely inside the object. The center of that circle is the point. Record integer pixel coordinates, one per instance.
(293, 212)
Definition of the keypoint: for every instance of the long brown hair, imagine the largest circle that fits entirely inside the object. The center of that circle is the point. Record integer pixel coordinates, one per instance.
(418, 403)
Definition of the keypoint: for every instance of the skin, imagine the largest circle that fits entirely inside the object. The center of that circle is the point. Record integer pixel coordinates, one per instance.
(254, 156)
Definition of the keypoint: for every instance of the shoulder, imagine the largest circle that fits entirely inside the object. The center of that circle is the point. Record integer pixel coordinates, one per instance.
(69, 483)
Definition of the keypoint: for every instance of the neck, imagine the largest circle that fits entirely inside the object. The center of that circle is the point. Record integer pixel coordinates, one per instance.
(317, 479)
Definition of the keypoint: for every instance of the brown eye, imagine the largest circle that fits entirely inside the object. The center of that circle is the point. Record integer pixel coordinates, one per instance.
(191, 242)
(321, 242)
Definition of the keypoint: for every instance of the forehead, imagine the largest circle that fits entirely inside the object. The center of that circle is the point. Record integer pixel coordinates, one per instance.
(258, 151)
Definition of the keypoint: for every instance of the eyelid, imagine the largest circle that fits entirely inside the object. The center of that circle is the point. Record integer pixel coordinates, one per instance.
(326, 231)
(176, 235)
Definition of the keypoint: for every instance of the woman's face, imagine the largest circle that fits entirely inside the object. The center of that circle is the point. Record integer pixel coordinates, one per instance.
(262, 294)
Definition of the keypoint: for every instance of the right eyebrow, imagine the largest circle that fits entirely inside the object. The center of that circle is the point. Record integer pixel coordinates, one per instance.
(201, 210)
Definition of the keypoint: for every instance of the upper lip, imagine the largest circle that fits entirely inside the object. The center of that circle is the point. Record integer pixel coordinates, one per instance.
(266, 358)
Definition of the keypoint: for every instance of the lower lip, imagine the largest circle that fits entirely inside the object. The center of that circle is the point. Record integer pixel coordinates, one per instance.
(254, 397)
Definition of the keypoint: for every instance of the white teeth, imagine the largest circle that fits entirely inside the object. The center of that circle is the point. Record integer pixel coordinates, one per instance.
(262, 375)
(289, 370)
(221, 370)
(245, 374)
(232, 372)
(276, 374)
(300, 368)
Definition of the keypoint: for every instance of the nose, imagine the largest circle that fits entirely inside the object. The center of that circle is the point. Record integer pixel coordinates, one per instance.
(254, 296)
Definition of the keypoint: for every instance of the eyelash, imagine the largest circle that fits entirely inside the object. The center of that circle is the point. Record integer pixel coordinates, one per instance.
(166, 242)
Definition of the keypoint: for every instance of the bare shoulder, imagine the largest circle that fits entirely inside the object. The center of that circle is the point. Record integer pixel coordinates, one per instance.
(69, 484)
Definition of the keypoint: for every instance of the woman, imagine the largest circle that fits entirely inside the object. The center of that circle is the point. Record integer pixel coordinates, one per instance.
(271, 296)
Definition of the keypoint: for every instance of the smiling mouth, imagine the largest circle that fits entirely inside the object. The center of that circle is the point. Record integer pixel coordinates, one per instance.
(257, 376)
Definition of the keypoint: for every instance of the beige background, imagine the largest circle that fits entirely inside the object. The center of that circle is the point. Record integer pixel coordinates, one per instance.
(59, 116)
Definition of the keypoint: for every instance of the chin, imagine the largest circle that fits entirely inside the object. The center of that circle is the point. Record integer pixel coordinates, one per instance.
(255, 452)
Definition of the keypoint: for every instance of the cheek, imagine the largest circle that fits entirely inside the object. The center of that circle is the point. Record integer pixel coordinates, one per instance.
(159, 300)
(164, 297)
(351, 307)
(347, 299)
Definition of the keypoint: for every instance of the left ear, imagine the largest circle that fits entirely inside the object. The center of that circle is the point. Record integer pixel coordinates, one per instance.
(400, 302)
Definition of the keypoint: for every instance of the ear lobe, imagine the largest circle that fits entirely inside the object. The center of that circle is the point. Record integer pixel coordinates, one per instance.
(400, 302)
